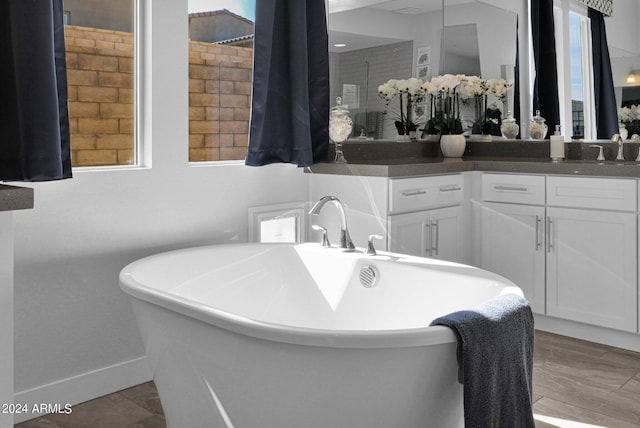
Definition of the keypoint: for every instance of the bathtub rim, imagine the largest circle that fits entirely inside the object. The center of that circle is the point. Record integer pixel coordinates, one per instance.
(392, 338)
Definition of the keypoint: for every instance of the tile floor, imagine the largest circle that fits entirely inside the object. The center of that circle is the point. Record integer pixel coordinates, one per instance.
(576, 384)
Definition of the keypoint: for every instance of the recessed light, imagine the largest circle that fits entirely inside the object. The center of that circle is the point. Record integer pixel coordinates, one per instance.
(339, 45)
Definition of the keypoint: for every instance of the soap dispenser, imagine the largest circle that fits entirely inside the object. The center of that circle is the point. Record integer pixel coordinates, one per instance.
(557, 145)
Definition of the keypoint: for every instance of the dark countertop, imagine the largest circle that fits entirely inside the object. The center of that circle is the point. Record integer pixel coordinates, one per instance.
(15, 198)
(511, 157)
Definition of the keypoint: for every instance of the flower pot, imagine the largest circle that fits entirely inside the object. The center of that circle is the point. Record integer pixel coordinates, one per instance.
(453, 146)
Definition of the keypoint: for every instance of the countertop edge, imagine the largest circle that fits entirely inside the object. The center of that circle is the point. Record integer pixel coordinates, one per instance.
(455, 165)
(13, 198)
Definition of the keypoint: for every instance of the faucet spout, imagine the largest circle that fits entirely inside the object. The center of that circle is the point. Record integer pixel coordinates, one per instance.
(618, 139)
(345, 239)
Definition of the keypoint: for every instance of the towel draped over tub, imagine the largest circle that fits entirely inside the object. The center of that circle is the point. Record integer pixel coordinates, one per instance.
(495, 361)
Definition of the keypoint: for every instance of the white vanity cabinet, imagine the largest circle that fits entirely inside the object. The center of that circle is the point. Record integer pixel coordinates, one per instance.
(433, 233)
(422, 216)
(592, 251)
(513, 232)
(568, 242)
(426, 216)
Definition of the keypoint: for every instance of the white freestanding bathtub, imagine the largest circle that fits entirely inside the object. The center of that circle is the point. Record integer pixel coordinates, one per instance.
(287, 336)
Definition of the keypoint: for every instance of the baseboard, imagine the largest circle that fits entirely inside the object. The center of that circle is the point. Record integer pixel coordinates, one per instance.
(592, 333)
(81, 388)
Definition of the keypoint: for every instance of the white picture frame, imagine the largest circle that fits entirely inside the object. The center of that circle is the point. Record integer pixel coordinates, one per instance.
(424, 56)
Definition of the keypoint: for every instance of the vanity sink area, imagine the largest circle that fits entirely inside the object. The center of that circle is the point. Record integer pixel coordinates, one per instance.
(401, 159)
(566, 232)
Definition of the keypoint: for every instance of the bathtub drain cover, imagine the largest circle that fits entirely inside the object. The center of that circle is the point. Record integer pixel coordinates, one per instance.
(369, 276)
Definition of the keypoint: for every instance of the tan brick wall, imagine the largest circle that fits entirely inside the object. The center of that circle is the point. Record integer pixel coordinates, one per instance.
(100, 81)
(219, 101)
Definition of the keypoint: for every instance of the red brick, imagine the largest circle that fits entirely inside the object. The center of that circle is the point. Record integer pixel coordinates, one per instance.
(196, 140)
(212, 140)
(203, 127)
(232, 100)
(95, 157)
(95, 94)
(98, 126)
(120, 80)
(203, 155)
(197, 113)
(82, 77)
(126, 157)
(83, 142)
(232, 153)
(114, 141)
(77, 109)
(234, 127)
(126, 126)
(116, 110)
(97, 62)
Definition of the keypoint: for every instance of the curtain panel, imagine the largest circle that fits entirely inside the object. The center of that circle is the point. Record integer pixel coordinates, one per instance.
(290, 105)
(34, 118)
(545, 88)
(605, 97)
(603, 6)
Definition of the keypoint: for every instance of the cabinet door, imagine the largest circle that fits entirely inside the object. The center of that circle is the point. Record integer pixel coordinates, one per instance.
(591, 267)
(410, 234)
(446, 233)
(513, 246)
(434, 233)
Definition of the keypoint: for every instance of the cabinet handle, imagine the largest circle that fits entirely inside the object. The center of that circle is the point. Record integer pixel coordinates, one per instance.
(511, 188)
(453, 188)
(549, 234)
(410, 193)
(538, 234)
(434, 237)
(427, 242)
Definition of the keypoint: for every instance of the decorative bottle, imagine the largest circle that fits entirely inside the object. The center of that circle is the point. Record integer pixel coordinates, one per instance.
(538, 128)
(509, 127)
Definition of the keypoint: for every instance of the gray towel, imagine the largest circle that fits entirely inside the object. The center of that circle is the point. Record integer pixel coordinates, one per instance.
(495, 362)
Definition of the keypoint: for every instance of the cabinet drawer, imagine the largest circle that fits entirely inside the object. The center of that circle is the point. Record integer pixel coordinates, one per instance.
(597, 193)
(512, 188)
(413, 194)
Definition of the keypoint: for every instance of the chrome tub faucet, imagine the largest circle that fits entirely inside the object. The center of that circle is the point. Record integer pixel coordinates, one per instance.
(345, 239)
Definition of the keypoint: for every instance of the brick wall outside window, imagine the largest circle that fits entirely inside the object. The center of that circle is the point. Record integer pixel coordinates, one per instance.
(100, 83)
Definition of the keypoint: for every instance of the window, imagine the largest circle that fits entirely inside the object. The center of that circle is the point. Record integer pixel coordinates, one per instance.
(220, 78)
(575, 70)
(100, 74)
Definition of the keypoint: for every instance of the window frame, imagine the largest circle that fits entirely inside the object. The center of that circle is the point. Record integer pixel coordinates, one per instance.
(562, 10)
(140, 160)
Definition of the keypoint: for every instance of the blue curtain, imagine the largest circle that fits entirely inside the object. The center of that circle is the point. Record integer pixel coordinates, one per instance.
(545, 88)
(34, 119)
(605, 98)
(290, 106)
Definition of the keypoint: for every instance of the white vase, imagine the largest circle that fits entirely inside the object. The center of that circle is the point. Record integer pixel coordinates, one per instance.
(453, 146)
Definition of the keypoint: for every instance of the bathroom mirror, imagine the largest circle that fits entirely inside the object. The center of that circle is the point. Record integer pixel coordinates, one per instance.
(372, 41)
(624, 51)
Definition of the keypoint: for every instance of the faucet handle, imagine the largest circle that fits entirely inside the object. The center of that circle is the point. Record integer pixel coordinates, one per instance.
(325, 239)
(371, 251)
(600, 154)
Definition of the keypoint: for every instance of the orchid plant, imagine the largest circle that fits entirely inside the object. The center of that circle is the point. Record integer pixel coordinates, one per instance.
(445, 94)
(409, 91)
(630, 117)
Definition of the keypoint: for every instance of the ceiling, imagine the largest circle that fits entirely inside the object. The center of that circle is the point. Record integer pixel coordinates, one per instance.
(355, 41)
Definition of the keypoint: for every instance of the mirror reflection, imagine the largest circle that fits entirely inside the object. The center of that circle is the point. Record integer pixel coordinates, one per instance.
(624, 51)
(372, 41)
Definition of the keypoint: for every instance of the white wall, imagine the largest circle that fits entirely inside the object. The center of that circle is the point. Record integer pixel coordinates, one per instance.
(6, 314)
(75, 334)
